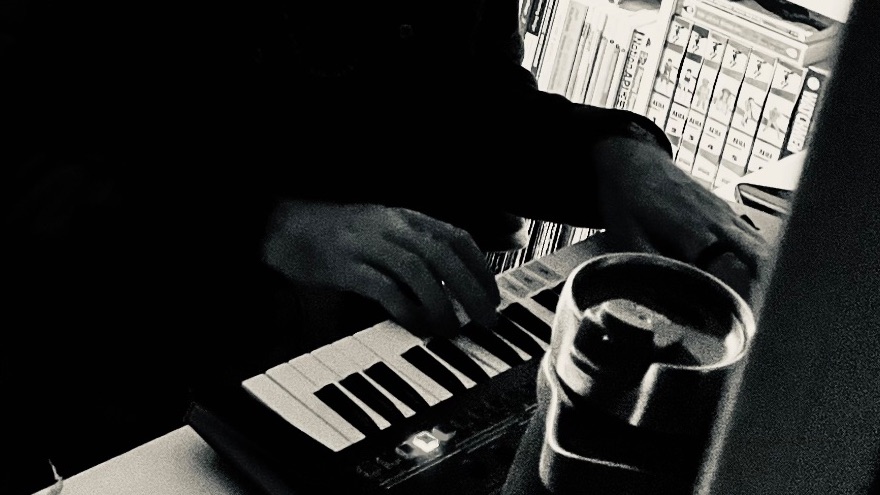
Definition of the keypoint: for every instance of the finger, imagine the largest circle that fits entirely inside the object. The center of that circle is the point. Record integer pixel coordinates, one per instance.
(455, 259)
(397, 301)
(412, 273)
(463, 244)
(459, 283)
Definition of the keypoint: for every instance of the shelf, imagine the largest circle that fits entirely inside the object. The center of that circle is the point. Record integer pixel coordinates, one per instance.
(835, 9)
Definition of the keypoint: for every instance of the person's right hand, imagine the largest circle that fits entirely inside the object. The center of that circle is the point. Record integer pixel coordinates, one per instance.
(408, 262)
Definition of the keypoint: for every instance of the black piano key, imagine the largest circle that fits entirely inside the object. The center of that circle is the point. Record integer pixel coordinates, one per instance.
(528, 320)
(365, 391)
(458, 359)
(547, 298)
(345, 407)
(397, 386)
(426, 363)
(489, 341)
(518, 337)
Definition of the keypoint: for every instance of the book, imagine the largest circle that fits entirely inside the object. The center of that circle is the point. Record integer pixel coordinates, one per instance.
(778, 110)
(677, 39)
(529, 21)
(567, 36)
(535, 19)
(691, 66)
(617, 72)
(746, 117)
(808, 106)
(542, 66)
(624, 29)
(596, 20)
(819, 28)
(603, 71)
(640, 90)
(707, 159)
(713, 52)
(686, 85)
(627, 77)
(577, 79)
(736, 27)
(599, 63)
(672, 54)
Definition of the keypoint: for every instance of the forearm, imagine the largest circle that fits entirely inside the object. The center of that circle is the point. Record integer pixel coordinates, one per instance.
(548, 131)
(556, 141)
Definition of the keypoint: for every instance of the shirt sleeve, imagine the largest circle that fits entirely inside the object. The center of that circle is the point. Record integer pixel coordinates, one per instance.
(556, 132)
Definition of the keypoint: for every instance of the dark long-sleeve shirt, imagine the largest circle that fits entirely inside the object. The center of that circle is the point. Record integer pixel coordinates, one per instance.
(151, 139)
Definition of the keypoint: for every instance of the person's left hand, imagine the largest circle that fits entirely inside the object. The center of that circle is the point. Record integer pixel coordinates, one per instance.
(650, 205)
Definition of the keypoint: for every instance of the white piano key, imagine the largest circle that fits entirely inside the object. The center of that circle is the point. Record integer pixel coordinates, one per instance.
(295, 412)
(389, 341)
(304, 390)
(485, 359)
(315, 371)
(347, 356)
(334, 358)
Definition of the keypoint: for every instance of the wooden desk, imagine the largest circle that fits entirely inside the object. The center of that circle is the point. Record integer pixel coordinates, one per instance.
(178, 463)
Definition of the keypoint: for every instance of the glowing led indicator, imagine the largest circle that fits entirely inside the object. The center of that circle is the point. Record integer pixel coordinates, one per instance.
(426, 442)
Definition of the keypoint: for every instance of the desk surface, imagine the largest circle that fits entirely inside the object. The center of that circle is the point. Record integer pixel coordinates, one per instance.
(177, 463)
(181, 463)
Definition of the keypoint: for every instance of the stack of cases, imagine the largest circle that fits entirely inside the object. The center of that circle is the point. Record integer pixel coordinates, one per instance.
(727, 90)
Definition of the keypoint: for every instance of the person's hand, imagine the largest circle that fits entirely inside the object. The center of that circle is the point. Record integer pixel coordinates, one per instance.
(650, 205)
(408, 262)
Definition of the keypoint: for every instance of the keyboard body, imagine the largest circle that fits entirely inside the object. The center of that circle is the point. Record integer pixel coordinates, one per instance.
(384, 411)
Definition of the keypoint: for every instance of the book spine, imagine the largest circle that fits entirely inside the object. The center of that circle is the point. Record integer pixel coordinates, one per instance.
(599, 45)
(776, 118)
(576, 77)
(746, 117)
(674, 47)
(594, 51)
(603, 80)
(534, 14)
(625, 30)
(713, 51)
(542, 67)
(641, 90)
(617, 75)
(529, 20)
(628, 75)
(588, 57)
(808, 106)
(721, 106)
(685, 86)
(569, 37)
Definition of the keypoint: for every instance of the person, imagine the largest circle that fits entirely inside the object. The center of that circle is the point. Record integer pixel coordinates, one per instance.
(196, 185)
